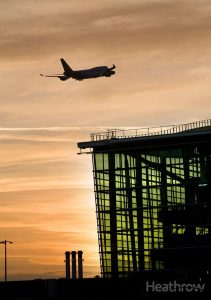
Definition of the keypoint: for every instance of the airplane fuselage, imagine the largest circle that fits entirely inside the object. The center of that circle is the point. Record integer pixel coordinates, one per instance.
(90, 73)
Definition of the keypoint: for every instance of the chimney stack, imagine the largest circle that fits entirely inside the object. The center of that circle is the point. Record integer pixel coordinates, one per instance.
(80, 264)
(73, 264)
(67, 263)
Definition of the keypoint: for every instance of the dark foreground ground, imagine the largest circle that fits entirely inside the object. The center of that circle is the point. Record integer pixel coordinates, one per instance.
(97, 288)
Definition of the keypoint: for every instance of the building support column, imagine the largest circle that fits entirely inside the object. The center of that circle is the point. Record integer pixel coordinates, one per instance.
(113, 219)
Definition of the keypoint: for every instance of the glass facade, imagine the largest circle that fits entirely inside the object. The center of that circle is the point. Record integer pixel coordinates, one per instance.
(153, 209)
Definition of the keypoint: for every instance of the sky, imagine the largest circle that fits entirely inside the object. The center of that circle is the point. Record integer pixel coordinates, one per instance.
(162, 51)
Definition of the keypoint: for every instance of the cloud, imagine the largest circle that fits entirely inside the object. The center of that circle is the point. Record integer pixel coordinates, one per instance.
(162, 52)
(161, 49)
(136, 26)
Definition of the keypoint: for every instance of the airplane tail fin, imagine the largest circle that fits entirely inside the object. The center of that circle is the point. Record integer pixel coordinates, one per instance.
(67, 69)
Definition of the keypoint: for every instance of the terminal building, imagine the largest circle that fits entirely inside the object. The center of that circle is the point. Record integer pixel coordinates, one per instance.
(153, 199)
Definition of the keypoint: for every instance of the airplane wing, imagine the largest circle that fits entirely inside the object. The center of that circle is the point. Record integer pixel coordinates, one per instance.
(55, 75)
(60, 76)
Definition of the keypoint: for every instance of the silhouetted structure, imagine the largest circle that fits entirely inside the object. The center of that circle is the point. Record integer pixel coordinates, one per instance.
(80, 264)
(5, 242)
(67, 264)
(90, 288)
(153, 199)
(73, 253)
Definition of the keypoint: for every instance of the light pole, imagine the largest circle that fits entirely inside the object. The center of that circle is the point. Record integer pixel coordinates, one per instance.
(5, 257)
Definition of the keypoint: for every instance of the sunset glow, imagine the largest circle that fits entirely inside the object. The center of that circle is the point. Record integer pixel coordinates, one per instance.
(162, 51)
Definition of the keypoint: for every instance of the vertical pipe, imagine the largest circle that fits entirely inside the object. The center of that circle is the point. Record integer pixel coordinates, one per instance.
(5, 260)
(80, 264)
(67, 264)
(73, 264)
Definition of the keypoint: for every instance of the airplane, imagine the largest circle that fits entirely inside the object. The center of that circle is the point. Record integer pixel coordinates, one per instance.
(82, 74)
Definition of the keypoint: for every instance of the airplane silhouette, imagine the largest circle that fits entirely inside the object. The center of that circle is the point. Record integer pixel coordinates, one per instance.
(83, 74)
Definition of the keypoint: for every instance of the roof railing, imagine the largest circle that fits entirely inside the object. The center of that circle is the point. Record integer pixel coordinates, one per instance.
(148, 131)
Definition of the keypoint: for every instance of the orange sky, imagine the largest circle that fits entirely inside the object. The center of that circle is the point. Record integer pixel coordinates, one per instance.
(162, 51)
(47, 202)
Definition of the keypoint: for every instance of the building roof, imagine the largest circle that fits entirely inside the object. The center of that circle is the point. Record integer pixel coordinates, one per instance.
(117, 139)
